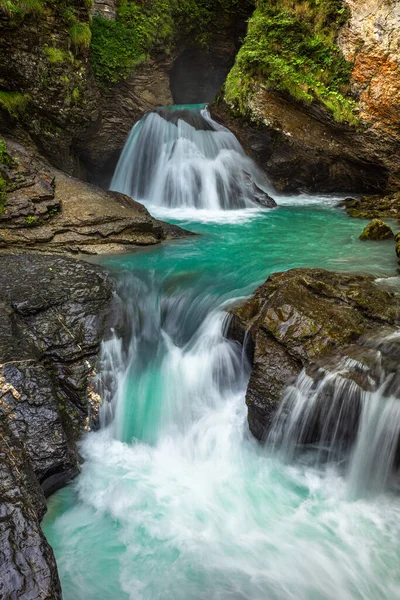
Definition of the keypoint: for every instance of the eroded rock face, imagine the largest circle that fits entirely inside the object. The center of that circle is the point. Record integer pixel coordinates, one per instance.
(49, 211)
(370, 41)
(302, 148)
(28, 568)
(122, 106)
(64, 99)
(53, 315)
(299, 317)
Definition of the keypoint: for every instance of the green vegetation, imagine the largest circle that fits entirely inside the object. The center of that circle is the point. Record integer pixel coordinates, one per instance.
(141, 27)
(21, 7)
(80, 35)
(30, 220)
(14, 103)
(290, 47)
(57, 55)
(75, 95)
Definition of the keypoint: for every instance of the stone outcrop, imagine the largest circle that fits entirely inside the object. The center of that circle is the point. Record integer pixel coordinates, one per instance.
(49, 211)
(374, 207)
(28, 568)
(301, 147)
(377, 230)
(298, 319)
(54, 314)
(39, 62)
(370, 41)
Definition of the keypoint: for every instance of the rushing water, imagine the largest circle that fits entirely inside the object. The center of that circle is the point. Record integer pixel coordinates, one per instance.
(176, 501)
(179, 157)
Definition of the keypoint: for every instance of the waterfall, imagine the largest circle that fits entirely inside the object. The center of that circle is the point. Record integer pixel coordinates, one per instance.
(180, 157)
(167, 363)
(349, 413)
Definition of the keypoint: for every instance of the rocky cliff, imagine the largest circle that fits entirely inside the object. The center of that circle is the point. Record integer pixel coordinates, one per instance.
(77, 76)
(52, 320)
(314, 94)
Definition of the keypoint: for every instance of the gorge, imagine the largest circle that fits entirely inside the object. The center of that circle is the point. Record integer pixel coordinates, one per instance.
(199, 365)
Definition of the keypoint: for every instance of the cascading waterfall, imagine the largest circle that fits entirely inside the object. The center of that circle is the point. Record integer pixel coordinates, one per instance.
(181, 158)
(344, 422)
(176, 499)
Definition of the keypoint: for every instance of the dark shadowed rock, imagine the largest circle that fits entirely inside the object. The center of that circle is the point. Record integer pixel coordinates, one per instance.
(299, 317)
(53, 315)
(27, 565)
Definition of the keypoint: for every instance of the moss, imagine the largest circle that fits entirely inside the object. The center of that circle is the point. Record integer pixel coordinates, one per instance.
(75, 95)
(14, 103)
(21, 7)
(290, 47)
(377, 230)
(80, 35)
(119, 46)
(57, 55)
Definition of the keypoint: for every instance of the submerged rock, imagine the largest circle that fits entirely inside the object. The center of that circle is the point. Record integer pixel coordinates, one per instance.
(297, 317)
(53, 316)
(377, 230)
(49, 211)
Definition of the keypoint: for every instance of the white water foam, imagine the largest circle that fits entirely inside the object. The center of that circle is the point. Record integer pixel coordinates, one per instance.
(190, 162)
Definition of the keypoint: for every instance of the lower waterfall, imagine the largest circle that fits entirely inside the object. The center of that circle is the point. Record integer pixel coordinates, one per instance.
(345, 423)
(176, 500)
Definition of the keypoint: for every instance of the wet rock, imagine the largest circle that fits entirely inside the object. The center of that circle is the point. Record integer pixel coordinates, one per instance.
(53, 319)
(377, 230)
(53, 316)
(302, 149)
(39, 60)
(49, 211)
(374, 207)
(28, 568)
(298, 317)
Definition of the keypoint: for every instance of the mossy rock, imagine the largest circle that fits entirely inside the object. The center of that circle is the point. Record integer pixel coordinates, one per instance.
(377, 230)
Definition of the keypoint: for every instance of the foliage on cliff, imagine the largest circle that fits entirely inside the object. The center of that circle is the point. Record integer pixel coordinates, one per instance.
(143, 27)
(290, 47)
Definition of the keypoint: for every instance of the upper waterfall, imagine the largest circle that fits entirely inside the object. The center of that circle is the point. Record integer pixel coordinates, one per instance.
(179, 157)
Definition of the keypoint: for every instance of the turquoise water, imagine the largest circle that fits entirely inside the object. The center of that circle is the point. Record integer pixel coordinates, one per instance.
(176, 501)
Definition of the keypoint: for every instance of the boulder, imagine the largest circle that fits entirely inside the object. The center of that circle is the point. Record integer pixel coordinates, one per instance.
(49, 211)
(296, 319)
(377, 230)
